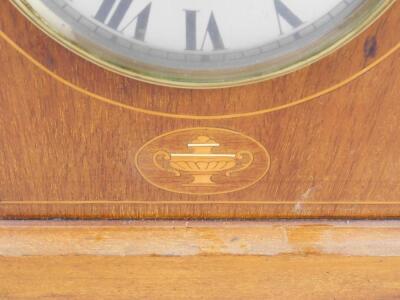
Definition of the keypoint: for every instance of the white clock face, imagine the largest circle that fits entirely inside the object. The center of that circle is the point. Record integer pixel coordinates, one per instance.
(202, 42)
(205, 25)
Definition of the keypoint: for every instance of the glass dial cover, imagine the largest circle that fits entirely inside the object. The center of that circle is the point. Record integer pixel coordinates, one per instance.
(202, 43)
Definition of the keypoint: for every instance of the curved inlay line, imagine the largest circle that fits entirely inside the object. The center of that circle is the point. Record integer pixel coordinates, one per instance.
(196, 117)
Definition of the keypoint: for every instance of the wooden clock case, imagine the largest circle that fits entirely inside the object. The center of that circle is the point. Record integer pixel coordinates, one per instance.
(326, 135)
(79, 142)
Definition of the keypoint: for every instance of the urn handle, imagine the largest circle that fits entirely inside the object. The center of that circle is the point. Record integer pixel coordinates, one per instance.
(164, 155)
(240, 156)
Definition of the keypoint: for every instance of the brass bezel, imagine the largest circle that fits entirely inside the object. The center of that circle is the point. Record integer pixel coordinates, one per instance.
(28, 12)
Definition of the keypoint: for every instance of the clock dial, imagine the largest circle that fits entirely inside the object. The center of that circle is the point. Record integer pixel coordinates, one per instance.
(203, 42)
(204, 26)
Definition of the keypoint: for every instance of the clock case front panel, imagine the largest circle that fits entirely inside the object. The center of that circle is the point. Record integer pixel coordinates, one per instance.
(77, 141)
(161, 58)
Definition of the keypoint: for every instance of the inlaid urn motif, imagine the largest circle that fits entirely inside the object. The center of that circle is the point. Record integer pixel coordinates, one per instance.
(202, 161)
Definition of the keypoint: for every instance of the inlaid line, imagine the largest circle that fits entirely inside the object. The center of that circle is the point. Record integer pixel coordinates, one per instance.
(200, 202)
(197, 117)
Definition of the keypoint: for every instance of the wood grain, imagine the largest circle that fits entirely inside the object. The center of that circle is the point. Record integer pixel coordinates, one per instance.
(180, 238)
(280, 277)
(199, 260)
(66, 154)
(272, 94)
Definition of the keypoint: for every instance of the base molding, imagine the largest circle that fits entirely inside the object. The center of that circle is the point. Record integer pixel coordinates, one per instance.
(180, 238)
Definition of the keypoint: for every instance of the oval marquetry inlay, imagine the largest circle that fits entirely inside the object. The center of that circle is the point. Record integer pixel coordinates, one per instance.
(202, 161)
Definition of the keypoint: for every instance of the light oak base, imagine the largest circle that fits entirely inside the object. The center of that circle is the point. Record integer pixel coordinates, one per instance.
(217, 277)
(180, 238)
(200, 260)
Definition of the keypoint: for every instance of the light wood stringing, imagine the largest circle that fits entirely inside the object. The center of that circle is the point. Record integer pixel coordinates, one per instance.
(67, 151)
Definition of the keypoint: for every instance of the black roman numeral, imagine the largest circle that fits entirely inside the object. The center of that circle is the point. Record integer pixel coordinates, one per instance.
(212, 31)
(282, 11)
(115, 19)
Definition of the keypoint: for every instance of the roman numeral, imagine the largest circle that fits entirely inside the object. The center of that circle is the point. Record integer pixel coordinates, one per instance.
(282, 11)
(212, 31)
(118, 15)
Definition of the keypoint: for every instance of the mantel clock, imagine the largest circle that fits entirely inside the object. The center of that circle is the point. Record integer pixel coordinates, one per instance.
(199, 109)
